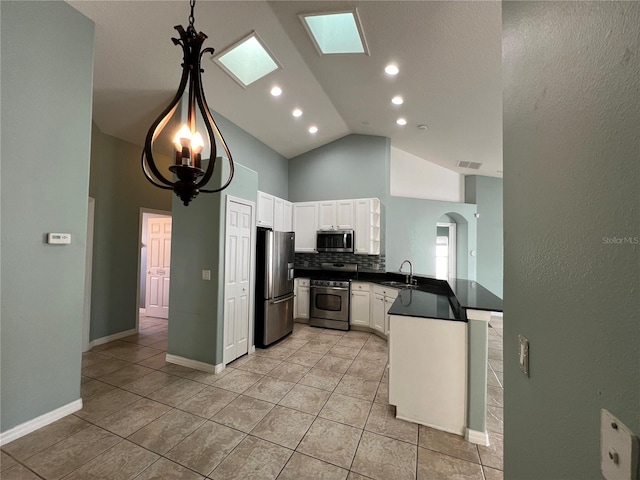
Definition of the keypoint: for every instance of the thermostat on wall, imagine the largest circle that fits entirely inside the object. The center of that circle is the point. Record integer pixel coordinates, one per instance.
(59, 238)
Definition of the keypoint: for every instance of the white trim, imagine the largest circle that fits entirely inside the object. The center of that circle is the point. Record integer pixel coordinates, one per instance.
(142, 311)
(252, 349)
(39, 422)
(88, 271)
(497, 314)
(111, 338)
(479, 438)
(195, 364)
(480, 315)
(220, 367)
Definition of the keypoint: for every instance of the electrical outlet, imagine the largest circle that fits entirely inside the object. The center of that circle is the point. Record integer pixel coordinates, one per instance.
(523, 354)
(618, 449)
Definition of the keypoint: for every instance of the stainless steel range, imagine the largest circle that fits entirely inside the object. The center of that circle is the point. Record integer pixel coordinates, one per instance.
(329, 302)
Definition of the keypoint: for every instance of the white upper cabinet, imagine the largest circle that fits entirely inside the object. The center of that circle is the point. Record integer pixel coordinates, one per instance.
(367, 226)
(326, 215)
(278, 214)
(287, 221)
(274, 212)
(305, 225)
(336, 215)
(265, 209)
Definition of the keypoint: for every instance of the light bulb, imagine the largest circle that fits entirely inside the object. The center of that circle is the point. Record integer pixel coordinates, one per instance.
(313, 129)
(297, 112)
(398, 100)
(182, 138)
(197, 143)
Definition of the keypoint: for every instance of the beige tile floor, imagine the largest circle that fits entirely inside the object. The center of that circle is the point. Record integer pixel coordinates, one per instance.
(313, 406)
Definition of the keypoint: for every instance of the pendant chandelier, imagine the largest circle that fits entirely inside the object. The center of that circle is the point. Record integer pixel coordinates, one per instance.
(188, 177)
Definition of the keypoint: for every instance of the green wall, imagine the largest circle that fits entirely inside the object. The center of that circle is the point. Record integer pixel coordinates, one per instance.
(247, 150)
(47, 70)
(197, 243)
(486, 193)
(411, 234)
(120, 190)
(571, 75)
(355, 166)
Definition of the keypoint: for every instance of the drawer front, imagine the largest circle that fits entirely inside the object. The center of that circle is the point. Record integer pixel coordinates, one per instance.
(303, 282)
(360, 286)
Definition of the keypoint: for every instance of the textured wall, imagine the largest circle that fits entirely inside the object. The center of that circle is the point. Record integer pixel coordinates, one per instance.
(355, 166)
(120, 189)
(47, 69)
(486, 193)
(571, 75)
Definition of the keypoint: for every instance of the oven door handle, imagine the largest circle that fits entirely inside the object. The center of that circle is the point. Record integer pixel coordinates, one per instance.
(342, 289)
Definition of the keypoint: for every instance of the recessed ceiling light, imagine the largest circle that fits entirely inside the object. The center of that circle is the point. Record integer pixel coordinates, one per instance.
(397, 100)
(401, 121)
(335, 32)
(276, 91)
(313, 129)
(247, 61)
(297, 113)
(391, 69)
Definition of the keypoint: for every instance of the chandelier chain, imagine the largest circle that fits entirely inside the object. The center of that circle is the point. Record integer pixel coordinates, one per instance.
(192, 3)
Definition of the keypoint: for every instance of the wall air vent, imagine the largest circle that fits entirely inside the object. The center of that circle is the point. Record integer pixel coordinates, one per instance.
(472, 165)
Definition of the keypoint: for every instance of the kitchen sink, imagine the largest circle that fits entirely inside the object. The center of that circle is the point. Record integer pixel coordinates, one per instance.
(393, 283)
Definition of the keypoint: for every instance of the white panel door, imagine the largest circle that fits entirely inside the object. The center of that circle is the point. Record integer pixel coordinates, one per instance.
(237, 279)
(158, 266)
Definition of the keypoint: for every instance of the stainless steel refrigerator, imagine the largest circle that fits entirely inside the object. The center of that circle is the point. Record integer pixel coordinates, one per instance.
(274, 286)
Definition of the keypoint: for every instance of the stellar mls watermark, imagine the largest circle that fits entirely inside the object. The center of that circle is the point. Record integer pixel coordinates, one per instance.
(621, 240)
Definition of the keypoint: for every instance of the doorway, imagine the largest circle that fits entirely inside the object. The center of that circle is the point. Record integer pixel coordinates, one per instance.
(155, 263)
(445, 251)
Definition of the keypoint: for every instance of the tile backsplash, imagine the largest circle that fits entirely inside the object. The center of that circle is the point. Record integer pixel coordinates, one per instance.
(365, 262)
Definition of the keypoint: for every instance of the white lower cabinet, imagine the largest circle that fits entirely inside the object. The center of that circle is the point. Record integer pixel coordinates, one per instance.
(381, 300)
(301, 298)
(360, 304)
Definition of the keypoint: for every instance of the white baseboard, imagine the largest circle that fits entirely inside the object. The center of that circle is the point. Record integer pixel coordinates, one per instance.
(474, 436)
(111, 338)
(220, 367)
(252, 349)
(195, 364)
(143, 311)
(39, 422)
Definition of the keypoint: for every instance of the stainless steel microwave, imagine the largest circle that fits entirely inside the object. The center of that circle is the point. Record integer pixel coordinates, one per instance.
(335, 241)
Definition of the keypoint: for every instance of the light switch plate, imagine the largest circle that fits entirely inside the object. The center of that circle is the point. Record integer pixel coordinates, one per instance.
(59, 238)
(618, 449)
(523, 354)
(206, 274)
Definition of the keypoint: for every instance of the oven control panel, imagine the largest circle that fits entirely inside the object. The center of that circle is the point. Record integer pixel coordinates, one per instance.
(329, 283)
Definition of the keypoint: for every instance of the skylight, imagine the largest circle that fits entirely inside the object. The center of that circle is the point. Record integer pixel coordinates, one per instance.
(247, 61)
(336, 32)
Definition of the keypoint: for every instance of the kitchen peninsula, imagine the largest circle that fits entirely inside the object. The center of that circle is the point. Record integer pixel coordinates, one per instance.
(438, 349)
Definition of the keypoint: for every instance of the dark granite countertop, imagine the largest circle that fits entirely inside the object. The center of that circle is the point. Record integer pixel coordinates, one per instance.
(420, 303)
(432, 299)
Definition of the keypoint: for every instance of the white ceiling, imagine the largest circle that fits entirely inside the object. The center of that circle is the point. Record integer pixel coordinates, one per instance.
(449, 54)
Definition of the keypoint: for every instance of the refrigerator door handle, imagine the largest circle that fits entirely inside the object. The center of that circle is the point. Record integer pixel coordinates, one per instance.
(269, 261)
(288, 297)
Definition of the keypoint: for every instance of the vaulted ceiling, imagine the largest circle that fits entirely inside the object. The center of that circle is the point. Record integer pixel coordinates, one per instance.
(448, 52)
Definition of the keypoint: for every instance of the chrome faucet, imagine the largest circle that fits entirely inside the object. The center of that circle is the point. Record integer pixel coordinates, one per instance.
(409, 279)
